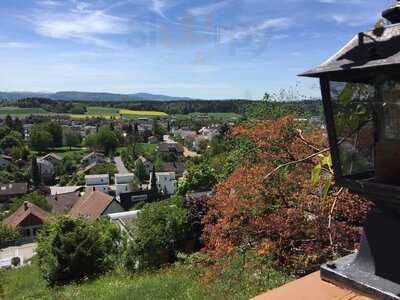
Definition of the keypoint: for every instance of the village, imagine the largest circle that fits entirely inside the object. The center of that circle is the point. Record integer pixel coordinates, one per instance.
(145, 163)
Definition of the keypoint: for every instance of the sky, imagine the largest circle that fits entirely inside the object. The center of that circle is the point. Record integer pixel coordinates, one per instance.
(208, 49)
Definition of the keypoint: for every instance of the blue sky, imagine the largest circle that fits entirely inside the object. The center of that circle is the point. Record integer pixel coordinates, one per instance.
(198, 48)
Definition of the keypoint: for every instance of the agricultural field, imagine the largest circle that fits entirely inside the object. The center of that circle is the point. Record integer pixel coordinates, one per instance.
(138, 114)
(18, 111)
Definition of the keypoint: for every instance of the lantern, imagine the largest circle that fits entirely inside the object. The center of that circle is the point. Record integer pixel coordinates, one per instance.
(360, 88)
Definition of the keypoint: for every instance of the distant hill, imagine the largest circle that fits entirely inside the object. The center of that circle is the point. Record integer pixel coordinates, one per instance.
(86, 96)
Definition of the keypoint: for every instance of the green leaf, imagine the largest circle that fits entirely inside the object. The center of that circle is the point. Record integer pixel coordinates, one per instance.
(326, 188)
(316, 174)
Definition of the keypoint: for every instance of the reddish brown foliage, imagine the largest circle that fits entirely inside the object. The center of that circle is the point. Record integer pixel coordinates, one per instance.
(282, 216)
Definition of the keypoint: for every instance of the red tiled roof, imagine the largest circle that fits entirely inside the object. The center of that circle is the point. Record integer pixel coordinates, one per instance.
(91, 205)
(23, 212)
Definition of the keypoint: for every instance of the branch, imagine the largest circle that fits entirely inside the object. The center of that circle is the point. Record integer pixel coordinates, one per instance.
(300, 133)
(295, 162)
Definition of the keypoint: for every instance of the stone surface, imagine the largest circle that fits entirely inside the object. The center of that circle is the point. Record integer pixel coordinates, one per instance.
(310, 287)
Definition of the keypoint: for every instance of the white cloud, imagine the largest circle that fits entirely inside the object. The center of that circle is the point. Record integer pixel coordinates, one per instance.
(158, 7)
(207, 9)
(15, 45)
(255, 32)
(352, 19)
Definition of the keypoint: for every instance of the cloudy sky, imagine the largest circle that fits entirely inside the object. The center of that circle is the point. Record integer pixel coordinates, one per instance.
(196, 48)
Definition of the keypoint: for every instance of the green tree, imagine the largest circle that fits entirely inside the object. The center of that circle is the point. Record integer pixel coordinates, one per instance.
(72, 139)
(158, 234)
(91, 142)
(13, 139)
(56, 132)
(200, 177)
(75, 249)
(36, 178)
(39, 139)
(140, 170)
(33, 198)
(155, 194)
(107, 140)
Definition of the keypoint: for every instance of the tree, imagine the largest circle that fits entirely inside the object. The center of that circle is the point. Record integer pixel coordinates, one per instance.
(91, 142)
(72, 139)
(107, 140)
(56, 132)
(75, 249)
(158, 233)
(9, 122)
(153, 185)
(140, 170)
(33, 198)
(13, 139)
(39, 139)
(200, 177)
(36, 177)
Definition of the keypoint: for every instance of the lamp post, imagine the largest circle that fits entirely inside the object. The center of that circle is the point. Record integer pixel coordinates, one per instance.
(360, 88)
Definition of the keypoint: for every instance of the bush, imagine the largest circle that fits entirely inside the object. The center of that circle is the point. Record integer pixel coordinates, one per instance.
(75, 249)
(8, 234)
(158, 235)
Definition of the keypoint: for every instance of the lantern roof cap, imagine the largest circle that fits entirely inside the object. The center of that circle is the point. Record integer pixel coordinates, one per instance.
(379, 47)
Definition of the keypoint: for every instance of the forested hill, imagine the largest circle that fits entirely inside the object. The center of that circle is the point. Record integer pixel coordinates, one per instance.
(86, 96)
(304, 108)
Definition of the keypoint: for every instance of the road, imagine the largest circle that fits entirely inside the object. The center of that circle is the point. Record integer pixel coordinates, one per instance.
(120, 165)
(186, 151)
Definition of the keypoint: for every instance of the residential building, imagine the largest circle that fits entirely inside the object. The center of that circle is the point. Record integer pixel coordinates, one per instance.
(27, 130)
(46, 169)
(90, 169)
(147, 164)
(29, 218)
(95, 204)
(5, 161)
(123, 183)
(52, 158)
(166, 182)
(94, 157)
(167, 148)
(58, 190)
(10, 191)
(100, 182)
(178, 168)
(61, 204)
(127, 200)
(88, 130)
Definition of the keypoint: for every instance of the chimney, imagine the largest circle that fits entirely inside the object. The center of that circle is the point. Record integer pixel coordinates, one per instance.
(56, 197)
(26, 205)
(94, 188)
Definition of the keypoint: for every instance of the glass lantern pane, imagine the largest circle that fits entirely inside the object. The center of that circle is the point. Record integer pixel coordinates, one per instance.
(355, 126)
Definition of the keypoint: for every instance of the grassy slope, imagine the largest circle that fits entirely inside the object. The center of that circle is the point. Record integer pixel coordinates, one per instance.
(176, 282)
(213, 116)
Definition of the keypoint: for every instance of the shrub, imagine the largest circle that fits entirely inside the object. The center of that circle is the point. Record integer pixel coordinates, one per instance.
(7, 234)
(75, 249)
(158, 235)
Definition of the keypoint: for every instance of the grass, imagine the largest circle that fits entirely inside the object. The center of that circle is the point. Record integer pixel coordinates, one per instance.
(17, 111)
(146, 149)
(99, 110)
(175, 282)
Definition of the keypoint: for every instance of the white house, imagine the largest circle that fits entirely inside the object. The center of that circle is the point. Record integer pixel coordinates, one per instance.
(27, 129)
(123, 183)
(100, 182)
(166, 182)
